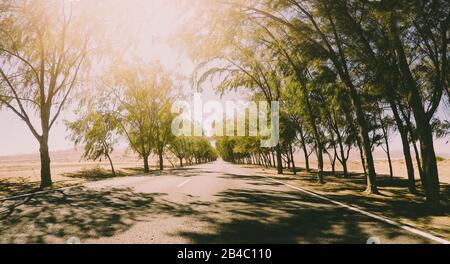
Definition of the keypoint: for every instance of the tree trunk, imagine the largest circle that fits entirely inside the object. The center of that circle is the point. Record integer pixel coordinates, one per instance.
(288, 161)
(343, 157)
(305, 149)
(274, 159)
(419, 166)
(406, 148)
(333, 160)
(319, 152)
(350, 119)
(430, 169)
(291, 151)
(388, 152)
(371, 174)
(361, 154)
(181, 162)
(146, 166)
(279, 160)
(46, 177)
(365, 140)
(307, 166)
(408, 161)
(161, 160)
(422, 118)
(111, 164)
(345, 168)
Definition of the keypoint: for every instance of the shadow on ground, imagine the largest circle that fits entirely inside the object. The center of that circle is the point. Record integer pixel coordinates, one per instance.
(99, 174)
(23, 186)
(260, 217)
(259, 212)
(395, 201)
(83, 213)
(8, 188)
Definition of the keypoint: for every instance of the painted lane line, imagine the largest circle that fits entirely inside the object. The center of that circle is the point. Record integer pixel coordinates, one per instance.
(183, 183)
(377, 217)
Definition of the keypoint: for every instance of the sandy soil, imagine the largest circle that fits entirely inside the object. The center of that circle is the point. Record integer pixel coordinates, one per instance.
(21, 173)
(67, 165)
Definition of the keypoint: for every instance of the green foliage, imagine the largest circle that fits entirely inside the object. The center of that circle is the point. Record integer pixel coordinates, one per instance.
(440, 159)
(97, 132)
(193, 150)
(142, 96)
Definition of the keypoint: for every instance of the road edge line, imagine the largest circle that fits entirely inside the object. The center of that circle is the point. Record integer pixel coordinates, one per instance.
(371, 215)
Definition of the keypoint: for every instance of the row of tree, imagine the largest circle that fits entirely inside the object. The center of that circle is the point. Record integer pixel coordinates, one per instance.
(134, 102)
(348, 73)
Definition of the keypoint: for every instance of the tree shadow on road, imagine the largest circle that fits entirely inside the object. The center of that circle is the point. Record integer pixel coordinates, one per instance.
(394, 201)
(270, 216)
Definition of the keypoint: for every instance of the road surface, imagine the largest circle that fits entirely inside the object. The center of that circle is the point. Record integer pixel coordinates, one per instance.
(210, 203)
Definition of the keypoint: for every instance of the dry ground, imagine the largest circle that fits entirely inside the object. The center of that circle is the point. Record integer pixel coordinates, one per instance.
(21, 173)
(382, 168)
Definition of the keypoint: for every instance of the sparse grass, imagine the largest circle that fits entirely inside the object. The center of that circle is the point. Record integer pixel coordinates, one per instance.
(99, 174)
(440, 159)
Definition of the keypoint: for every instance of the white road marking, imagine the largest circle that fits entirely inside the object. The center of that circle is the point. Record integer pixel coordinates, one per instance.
(379, 218)
(183, 183)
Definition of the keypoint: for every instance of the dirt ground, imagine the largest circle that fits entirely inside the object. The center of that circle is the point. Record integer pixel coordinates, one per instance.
(382, 168)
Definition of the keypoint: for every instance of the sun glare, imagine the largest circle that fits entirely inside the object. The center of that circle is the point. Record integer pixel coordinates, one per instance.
(148, 25)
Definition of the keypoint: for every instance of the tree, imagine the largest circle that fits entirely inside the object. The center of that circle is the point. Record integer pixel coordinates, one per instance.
(163, 132)
(44, 46)
(98, 133)
(386, 125)
(141, 97)
(179, 148)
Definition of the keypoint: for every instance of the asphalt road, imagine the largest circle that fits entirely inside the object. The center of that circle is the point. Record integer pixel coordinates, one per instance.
(210, 203)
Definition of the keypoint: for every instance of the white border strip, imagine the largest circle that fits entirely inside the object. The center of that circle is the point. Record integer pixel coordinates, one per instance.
(379, 218)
